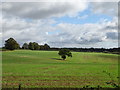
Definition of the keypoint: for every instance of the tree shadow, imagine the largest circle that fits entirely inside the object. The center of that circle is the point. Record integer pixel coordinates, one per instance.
(56, 58)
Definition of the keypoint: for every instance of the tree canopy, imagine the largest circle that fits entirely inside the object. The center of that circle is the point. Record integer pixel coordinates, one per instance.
(11, 44)
(25, 46)
(46, 46)
(65, 52)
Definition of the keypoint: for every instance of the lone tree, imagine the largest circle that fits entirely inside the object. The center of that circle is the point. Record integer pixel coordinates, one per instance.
(65, 52)
(11, 44)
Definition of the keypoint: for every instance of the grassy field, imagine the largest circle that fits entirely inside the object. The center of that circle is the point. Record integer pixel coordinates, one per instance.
(45, 69)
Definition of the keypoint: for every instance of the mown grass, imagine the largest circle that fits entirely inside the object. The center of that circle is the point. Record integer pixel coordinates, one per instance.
(45, 69)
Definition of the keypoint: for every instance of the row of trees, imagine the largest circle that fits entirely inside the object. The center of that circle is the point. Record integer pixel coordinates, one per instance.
(35, 46)
(104, 50)
(11, 44)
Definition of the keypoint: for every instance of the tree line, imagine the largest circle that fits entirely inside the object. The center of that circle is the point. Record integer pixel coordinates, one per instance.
(105, 50)
(35, 46)
(12, 44)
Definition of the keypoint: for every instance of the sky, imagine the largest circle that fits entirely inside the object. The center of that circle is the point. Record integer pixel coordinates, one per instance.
(61, 24)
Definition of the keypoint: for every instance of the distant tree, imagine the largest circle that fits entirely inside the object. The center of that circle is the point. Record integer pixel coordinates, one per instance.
(41, 47)
(46, 46)
(36, 46)
(11, 44)
(65, 52)
(31, 46)
(25, 46)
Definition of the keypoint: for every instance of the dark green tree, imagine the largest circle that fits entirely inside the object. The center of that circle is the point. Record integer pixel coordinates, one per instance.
(65, 52)
(46, 47)
(41, 47)
(25, 46)
(36, 46)
(63, 57)
(31, 46)
(11, 44)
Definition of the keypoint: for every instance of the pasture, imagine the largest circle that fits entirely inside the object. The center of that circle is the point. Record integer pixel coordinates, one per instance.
(46, 69)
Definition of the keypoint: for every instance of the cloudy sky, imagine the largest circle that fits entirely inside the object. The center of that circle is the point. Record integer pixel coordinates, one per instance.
(61, 24)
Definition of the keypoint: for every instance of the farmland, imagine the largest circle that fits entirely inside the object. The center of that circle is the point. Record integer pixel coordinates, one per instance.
(46, 69)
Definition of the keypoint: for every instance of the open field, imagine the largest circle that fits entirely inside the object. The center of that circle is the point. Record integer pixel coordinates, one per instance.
(45, 69)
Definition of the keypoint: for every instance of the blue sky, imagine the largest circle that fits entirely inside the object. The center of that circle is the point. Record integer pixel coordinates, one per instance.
(91, 18)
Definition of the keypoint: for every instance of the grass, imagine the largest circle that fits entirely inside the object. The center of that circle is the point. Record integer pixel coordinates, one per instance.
(45, 69)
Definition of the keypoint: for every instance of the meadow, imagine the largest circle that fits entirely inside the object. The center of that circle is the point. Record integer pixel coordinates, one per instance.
(42, 69)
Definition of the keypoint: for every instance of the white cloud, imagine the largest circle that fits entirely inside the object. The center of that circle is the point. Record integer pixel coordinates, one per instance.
(72, 35)
(43, 9)
(82, 35)
(31, 22)
(109, 8)
(86, 34)
(25, 31)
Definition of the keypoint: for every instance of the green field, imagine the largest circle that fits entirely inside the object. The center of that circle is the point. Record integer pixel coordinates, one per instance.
(45, 69)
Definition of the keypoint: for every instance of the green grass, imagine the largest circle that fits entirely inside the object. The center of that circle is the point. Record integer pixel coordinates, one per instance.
(45, 69)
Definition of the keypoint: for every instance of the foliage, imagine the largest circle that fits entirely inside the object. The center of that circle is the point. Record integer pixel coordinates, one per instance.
(41, 47)
(65, 52)
(46, 46)
(11, 44)
(63, 56)
(25, 46)
(36, 46)
(31, 46)
(105, 50)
